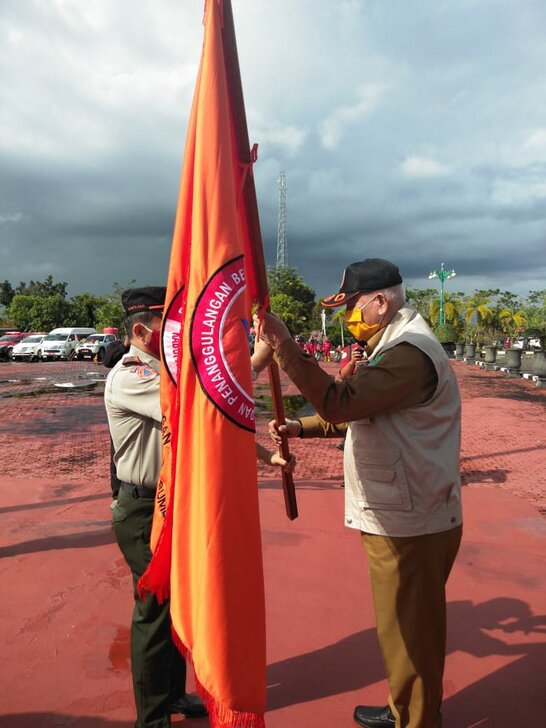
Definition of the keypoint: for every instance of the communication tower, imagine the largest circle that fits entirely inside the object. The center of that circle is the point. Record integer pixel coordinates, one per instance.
(282, 248)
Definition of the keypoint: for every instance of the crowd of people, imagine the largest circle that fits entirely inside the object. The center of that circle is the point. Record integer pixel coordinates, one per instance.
(396, 403)
(317, 346)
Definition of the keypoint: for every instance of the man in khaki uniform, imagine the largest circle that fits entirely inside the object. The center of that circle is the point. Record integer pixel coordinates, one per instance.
(134, 416)
(401, 414)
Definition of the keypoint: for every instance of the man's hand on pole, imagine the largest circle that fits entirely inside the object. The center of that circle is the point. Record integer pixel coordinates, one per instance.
(271, 329)
(292, 428)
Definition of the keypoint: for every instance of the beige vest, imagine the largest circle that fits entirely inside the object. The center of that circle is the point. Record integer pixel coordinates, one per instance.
(402, 469)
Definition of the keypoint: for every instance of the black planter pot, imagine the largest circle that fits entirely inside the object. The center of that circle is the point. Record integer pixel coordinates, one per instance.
(513, 360)
(459, 351)
(539, 364)
(470, 352)
(490, 354)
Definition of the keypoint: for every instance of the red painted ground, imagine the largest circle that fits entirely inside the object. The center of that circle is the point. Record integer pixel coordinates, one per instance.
(66, 593)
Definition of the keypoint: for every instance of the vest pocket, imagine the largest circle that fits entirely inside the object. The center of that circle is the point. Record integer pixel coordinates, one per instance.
(384, 488)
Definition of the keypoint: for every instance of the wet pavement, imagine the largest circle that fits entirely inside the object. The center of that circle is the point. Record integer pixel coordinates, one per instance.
(67, 593)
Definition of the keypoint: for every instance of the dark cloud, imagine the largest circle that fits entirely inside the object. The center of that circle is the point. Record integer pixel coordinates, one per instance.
(412, 131)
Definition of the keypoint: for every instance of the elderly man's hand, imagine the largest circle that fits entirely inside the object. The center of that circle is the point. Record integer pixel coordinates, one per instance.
(272, 330)
(292, 429)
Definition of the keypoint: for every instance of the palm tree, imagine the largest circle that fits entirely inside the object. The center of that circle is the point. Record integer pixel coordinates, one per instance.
(479, 316)
(339, 317)
(477, 307)
(453, 310)
(511, 320)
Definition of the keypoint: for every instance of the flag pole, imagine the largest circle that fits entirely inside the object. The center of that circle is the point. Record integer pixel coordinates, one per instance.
(251, 206)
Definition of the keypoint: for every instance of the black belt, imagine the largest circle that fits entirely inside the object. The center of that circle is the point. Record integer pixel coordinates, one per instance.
(138, 491)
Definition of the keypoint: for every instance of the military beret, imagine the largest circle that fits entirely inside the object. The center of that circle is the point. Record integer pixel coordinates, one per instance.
(150, 298)
(372, 274)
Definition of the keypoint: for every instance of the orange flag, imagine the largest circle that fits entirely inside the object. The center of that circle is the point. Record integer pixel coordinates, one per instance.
(206, 537)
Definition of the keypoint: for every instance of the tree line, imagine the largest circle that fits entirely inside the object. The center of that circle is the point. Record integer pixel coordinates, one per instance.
(484, 316)
(43, 305)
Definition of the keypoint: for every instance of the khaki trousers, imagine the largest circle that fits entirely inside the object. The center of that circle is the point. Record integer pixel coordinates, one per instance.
(408, 577)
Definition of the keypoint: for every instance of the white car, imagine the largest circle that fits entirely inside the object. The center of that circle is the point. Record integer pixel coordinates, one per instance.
(94, 346)
(28, 348)
(526, 344)
(61, 343)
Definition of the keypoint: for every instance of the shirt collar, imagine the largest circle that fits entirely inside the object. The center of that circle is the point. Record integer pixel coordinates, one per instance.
(144, 357)
(374, 340)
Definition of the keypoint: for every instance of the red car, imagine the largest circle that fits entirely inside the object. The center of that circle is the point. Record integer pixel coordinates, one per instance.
(8, 341)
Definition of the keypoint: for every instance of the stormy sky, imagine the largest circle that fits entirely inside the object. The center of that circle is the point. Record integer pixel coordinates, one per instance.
(413, 130)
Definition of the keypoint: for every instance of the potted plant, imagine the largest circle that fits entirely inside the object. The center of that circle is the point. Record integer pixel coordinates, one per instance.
(539, 357)
(447, 336)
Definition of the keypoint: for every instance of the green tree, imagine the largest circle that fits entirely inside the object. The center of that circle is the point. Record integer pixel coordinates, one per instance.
(21, 312)
(110, 313)
(478, 307)
(511, 320)
(51, 312)
(294, 313)
(6, 293)
(44, 289)
(336, 325)
(291, 298)
(36, 313)
(453, 311)
(421, 300)
(535, 308)
(288, 280)
(83, 310)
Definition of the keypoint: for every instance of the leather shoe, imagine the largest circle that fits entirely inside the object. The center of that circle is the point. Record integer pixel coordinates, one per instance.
(189, 705)
(371, 717)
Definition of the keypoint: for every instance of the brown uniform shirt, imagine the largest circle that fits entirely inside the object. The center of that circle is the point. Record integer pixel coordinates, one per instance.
(400, 377)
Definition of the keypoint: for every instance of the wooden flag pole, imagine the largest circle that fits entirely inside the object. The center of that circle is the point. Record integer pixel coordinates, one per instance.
(251, 205)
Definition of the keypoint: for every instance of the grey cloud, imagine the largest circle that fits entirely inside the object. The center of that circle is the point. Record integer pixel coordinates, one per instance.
(97, 98)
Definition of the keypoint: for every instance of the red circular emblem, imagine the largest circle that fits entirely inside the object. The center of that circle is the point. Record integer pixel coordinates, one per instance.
(218, 343)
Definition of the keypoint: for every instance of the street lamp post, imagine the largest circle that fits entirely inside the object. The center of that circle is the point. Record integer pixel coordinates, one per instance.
(323, 319)
(443, 275)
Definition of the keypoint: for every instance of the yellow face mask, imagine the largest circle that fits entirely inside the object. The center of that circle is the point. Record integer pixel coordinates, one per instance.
(358, 328)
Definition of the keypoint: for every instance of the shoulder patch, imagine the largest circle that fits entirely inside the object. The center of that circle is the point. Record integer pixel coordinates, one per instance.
(144, 372)
(375, 361)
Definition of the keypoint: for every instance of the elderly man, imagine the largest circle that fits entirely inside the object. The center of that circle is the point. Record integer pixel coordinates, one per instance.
(401, 414)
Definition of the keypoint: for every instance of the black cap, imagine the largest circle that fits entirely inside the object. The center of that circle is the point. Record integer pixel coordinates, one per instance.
(372, 274)
(150, 298)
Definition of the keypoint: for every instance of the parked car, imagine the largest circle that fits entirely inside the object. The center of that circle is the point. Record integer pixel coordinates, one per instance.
(527, 344)
(8, 341)
(61, 343)
(94, 346)
(29, 347)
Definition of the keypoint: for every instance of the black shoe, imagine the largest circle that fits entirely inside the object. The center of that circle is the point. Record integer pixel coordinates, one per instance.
(371, 717)
(190, 706)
